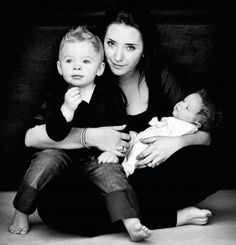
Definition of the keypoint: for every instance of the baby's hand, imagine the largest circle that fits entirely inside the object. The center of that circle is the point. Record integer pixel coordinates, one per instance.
(108, 157)
(72, 98)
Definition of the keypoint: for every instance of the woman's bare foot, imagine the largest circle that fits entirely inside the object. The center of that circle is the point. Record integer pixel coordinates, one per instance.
(136, 230)
(20, 224)
(193, 215)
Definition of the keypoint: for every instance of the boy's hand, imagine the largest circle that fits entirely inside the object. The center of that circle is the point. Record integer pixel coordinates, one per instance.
(72, 98)
(108, 157)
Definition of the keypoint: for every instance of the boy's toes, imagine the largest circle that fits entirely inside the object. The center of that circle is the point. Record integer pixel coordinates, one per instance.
(20, 231)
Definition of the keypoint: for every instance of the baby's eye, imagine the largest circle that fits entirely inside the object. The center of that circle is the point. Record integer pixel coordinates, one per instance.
(86, 61)
(68, 60)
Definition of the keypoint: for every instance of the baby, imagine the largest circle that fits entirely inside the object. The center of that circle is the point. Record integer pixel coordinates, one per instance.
(194, 112)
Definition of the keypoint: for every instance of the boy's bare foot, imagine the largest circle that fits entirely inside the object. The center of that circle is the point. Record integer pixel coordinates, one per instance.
(193, 215)
(20, 224)
(136, 230)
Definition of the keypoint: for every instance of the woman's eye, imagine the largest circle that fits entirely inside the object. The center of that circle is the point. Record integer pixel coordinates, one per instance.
(130, 47)
(110, 43)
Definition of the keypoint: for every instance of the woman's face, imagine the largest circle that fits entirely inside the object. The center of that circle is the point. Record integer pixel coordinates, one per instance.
(123, 47)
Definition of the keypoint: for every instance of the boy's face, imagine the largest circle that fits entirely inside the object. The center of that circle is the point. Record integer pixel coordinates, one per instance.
(188, 108)
(79, 63)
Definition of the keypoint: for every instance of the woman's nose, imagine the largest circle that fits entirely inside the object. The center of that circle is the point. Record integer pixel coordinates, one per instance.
(119, 56)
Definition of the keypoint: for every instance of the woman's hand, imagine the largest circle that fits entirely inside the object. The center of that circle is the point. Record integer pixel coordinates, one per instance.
(108, 139)
(104, 138)
(160, 148)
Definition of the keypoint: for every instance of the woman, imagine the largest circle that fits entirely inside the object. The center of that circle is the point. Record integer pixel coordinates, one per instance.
(180, 179)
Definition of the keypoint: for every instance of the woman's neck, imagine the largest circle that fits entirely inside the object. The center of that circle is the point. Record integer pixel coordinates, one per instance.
(136, 92)
(129, 80)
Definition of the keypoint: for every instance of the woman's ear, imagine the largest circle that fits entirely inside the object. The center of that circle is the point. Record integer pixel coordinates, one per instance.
(198, 124)
(59, 67)
(101, 69)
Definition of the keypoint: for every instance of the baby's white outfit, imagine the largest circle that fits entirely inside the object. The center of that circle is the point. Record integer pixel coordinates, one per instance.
(167, 126)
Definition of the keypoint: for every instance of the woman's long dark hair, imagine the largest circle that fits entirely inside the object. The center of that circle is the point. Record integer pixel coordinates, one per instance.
(137, 15)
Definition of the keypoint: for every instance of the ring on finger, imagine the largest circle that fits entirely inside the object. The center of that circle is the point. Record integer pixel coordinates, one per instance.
(121, 148)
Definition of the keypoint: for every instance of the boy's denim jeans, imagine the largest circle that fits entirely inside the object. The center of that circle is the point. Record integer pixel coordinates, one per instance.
(108, 177)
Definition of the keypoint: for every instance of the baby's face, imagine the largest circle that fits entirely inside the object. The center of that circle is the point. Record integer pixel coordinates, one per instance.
(188, 108)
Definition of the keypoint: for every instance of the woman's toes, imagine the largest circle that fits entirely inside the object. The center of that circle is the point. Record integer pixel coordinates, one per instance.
(193, 215)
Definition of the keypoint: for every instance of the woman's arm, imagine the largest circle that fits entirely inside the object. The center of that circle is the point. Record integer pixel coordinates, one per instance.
(37, 137)
(161, 147)
(103, 138)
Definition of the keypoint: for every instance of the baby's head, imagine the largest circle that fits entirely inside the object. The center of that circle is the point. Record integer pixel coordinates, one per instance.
(81, 56)
(199, 109)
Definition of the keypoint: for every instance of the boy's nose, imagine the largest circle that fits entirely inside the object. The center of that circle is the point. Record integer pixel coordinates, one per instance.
(77, 66)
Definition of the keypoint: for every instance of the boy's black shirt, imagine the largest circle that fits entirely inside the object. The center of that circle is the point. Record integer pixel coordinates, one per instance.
(106, 108)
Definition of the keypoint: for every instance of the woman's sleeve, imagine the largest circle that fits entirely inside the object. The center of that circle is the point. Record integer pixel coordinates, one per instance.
(171, 87)
(175, 92)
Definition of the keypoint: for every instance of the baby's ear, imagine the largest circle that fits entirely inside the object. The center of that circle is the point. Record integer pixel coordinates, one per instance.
(198, 124)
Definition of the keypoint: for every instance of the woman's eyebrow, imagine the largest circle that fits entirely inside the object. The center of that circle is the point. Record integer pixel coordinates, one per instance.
(133, 44)
(110, 39)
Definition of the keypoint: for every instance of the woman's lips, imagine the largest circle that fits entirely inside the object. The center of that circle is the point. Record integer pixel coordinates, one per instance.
(117, 66)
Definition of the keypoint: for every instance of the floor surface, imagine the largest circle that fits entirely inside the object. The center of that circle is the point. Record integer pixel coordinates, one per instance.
(221, 229)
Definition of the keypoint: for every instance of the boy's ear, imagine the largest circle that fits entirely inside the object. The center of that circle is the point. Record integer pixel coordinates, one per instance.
(101, 69)
(59, 67)
(198, 124)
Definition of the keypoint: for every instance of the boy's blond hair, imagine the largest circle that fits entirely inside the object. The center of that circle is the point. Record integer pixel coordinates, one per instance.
(81, 33)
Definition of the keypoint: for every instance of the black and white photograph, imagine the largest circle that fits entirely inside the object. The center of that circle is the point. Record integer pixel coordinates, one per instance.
(155, 167)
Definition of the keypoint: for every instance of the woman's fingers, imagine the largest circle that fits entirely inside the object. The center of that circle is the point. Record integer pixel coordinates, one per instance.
(125, 136)
(121, 149)
(149, 157)
(119, 154)
(118, 128)
(124, 143)
(150, 161)
(145, 161)
(144, 153)
(149, 140)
